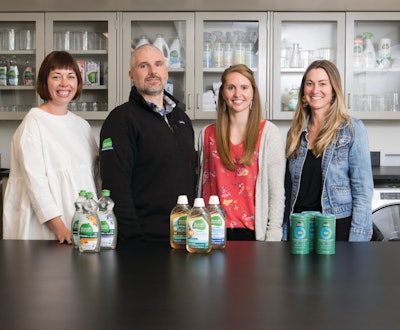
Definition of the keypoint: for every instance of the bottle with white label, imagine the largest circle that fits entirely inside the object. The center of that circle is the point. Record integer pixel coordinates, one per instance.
(369, 51)
(198, 228)
(175, 60)
(108, 221)
(178, 218)
(292, 98)
(77, 217)
(3, 71)
(28, 74)
(13, 73)
(89, 226)
(218, 228)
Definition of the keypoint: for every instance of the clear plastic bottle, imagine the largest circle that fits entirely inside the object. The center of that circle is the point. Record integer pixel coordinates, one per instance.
(77, 217)
(3, 71)
(295, 61)
(108, 221)
(218, 227)
(207, 51)
(218, 50)
(13, 73)
(240, 51)
(369, 51)
(228, 50)
(28, 74)
(358, 52)
(89, 226)
(178, 218)
(198, 228)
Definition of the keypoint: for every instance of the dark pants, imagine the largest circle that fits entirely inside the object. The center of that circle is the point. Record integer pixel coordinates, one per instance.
(240, 234)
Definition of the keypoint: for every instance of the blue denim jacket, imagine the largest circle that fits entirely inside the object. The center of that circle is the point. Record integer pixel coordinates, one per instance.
(347, 183)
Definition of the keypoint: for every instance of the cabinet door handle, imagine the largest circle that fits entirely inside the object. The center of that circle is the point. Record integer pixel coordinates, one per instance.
(189, 101)
(198, 101)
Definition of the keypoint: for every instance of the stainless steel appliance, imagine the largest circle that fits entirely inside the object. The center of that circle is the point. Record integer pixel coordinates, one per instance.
(386, 203)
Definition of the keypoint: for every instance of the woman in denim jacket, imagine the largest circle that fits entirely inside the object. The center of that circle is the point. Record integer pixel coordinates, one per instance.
(328, 159)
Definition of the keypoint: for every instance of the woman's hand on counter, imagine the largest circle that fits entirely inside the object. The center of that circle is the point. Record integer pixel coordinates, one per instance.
(57, 226)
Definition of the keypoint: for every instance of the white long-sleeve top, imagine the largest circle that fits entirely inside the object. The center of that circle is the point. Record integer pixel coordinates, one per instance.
(52, 158)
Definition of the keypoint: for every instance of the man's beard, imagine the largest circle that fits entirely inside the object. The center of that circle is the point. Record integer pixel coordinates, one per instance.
(152, 91)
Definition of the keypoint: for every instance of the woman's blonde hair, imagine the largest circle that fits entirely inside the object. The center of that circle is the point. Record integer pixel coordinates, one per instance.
(336, 117)
(223, 121)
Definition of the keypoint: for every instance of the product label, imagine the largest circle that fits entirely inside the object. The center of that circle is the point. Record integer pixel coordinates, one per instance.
(89, 233)
(174, 60)
(325, 235)
(3, 76)
(107, 229)
(207, 57)
(29, 77)
(217, 229)
(299, 235)
(75, 228)
(198, 233)
(13, 76)
(92, 73)
(218, 56)
(179, 229)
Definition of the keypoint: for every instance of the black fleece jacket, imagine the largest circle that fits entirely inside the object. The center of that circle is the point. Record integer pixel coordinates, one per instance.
(146, 164)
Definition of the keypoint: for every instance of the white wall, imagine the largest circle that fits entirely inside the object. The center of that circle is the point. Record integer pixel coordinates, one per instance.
(383, 135)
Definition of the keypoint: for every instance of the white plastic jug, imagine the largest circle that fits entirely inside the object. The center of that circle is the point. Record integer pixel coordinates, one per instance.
(175, 54)
(163, 47)
(142, 41)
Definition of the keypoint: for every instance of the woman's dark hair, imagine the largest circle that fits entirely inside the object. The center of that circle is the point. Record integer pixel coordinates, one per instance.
(56, 60)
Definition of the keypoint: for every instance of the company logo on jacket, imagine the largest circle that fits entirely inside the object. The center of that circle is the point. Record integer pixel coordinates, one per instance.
(107, 145)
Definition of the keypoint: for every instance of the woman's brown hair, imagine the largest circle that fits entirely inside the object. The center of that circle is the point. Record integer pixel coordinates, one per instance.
(56, 60)
(223, 121)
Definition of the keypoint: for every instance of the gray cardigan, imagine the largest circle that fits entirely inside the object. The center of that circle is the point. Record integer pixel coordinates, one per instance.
(270, 193)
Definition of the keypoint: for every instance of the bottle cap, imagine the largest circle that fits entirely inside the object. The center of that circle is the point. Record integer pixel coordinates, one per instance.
(367, 35)
(82, 192)
(213, 200)
(105, 192)
(182, 200)
(198, 202)
(89, 194)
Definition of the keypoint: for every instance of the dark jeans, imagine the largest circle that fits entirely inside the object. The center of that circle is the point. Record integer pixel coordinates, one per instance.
(240, 234)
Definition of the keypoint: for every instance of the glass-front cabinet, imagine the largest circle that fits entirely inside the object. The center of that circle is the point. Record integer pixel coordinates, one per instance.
(174, 36)
(298, 40)
(21, 52)
(205, 43)
(373, 65)
(199, 46)
(223, 39)
(92, 39)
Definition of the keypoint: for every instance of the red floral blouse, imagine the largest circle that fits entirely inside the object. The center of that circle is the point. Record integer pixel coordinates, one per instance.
(235, 189)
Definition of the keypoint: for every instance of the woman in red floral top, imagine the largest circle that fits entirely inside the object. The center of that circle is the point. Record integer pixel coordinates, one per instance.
(242, 161)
